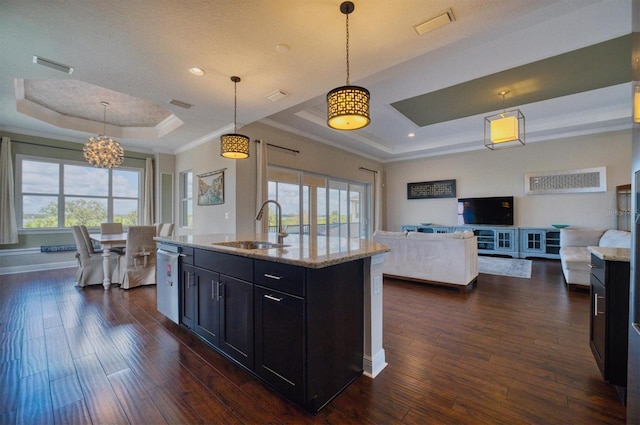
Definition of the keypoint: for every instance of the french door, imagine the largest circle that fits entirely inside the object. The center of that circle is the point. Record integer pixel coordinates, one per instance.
(318, 205)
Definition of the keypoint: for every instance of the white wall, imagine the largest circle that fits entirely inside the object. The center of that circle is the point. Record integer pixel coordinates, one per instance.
(501, 173)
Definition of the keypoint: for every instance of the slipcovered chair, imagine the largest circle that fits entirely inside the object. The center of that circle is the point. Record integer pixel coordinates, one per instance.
(138, 265)
(113, 229)
(90, 269)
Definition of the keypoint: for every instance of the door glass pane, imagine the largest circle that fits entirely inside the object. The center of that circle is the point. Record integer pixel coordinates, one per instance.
(87, 211)
(321, 211)
(40, 177)
(39, 211)
(80, 180)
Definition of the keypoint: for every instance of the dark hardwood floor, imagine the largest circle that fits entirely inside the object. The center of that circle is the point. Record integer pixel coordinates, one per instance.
(513, 351)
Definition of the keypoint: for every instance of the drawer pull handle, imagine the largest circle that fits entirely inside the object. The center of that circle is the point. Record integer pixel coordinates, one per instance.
(593, 266)
(272, 298)
(270, 276)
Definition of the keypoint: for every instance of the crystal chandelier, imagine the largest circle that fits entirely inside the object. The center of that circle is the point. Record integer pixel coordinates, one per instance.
(234, 145)
(102, 151)
(348, 106)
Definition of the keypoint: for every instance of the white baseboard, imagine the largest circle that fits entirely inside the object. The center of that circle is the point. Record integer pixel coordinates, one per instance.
(37, 267)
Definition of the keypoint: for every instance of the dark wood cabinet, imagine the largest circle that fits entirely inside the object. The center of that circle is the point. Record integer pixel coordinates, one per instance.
(187, 295)
(236, 319)
(207, 322)
(300, 330)
(609, 318)
(279, 341)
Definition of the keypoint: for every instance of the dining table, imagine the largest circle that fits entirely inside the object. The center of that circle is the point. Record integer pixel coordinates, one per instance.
(107, 242)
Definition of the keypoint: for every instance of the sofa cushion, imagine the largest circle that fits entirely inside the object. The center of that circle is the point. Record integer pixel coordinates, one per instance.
(580, 237)
(391, 234)
(576, 257)
(455, 235)
(616, 239)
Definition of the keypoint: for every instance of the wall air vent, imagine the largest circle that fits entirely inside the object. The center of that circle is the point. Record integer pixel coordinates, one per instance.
(180, 104)
(566, 181)
(52, 64)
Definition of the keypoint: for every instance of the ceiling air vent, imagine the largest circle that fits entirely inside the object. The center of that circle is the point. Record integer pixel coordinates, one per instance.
(184, 105)
(277, 95)
(434, 23)
(54, 65)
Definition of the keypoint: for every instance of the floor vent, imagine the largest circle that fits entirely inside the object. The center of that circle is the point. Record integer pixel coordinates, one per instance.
(566, 181)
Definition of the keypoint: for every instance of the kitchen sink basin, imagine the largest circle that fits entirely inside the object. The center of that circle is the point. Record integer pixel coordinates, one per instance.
(251, 244)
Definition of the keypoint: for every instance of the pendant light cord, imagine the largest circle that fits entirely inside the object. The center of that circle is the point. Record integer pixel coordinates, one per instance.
(235, 105)
(347, 49)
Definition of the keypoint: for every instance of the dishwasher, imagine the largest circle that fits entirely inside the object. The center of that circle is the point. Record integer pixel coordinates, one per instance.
(167, 287)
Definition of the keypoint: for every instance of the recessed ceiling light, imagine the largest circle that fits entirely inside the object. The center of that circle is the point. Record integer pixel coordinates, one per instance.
(436, 22)
(411, 135)
(197, 71)
(282, 48)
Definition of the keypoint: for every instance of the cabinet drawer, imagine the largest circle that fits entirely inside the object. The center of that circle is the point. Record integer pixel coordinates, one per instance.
(231, 265)
(187, 253)
(279, 276)
(597, 268)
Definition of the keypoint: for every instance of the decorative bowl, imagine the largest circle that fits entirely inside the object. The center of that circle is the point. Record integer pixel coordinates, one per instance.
(426, 224)
(560, 226)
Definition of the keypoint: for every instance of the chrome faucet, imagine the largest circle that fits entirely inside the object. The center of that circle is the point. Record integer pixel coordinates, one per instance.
(281, 233)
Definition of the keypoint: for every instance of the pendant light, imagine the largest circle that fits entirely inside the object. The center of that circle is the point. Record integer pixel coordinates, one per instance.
(234, 145)
(505, 129)
(348, 106)
(102, 151)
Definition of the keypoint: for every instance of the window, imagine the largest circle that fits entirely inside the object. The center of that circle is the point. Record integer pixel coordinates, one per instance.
(318, 205)
(186, 198)
(58, 193)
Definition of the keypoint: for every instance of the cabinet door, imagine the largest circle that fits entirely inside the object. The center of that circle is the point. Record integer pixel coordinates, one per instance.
(236, 319)
(207, 322)
(187, 295)
(533, 241)
(598, 323)
(505, 240)
(279, 341)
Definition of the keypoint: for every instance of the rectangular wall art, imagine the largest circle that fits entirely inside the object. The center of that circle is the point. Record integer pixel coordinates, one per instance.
(211, 188)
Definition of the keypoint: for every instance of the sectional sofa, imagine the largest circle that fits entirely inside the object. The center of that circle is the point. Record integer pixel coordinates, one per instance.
(444, 259)
(575, 256)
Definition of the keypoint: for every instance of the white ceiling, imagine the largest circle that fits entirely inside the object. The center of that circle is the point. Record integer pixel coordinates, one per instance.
(143, 49)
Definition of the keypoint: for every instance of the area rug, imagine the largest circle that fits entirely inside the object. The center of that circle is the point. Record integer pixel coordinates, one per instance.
(505, 266)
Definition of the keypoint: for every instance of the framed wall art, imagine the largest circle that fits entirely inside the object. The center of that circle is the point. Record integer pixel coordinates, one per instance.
(211, 188)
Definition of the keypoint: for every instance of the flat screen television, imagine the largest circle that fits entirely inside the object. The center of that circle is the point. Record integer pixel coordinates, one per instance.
(491, 211)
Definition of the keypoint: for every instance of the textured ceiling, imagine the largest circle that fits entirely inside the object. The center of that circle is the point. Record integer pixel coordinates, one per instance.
(144, 49)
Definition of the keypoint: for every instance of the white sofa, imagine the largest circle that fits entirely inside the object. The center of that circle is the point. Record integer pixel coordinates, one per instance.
(449, 259)
(575, 256)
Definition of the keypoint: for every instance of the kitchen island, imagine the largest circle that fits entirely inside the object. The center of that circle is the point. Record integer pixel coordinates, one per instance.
(303, 315)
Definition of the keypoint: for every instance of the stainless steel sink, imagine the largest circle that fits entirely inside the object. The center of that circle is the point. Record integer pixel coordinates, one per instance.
(251, 244)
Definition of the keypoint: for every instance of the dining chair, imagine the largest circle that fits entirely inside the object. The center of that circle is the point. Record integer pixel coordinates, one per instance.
(90, 266)
(166, 229)
(113, 229)
(137, 266)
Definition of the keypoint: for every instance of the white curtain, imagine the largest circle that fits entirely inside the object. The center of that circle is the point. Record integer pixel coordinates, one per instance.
(8, 225)
(147, 209)
(262, 184)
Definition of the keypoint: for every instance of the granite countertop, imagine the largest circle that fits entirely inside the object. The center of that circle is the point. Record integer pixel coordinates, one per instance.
(300, 250)
(611, 254)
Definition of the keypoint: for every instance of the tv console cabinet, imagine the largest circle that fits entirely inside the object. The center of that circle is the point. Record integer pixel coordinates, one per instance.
(516, 242)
